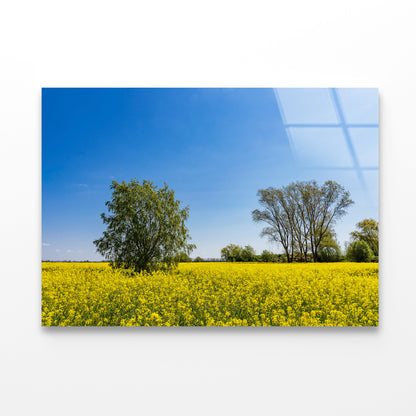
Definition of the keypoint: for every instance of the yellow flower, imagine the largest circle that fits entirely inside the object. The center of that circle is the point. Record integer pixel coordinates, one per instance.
(211, 294)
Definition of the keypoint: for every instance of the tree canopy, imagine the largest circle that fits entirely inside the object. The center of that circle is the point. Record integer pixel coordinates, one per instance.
(329, 249)
(359, 251)
(298, 216)
(145, 227)
(367, 232)
(233, 252)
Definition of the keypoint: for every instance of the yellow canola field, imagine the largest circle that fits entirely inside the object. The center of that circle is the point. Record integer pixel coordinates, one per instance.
(211, 294)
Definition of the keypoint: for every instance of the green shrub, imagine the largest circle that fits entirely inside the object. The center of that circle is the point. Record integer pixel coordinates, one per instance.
(329, 254)
(359, 251)
(182, 257)
(282, 258)
(247, 254)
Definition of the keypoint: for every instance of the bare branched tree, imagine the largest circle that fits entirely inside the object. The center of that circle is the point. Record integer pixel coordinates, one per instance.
(299, 215)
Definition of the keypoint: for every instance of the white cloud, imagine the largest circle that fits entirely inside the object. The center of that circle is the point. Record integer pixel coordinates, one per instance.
(57, 250)
(45, 244)
(83, 185)
(69, 251)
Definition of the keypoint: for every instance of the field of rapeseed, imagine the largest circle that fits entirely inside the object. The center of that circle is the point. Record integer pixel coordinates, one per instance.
(211, 294)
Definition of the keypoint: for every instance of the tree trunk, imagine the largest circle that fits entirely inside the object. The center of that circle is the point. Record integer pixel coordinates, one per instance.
(287, 255)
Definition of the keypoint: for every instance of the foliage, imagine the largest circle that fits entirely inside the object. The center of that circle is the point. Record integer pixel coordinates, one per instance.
(283, 258)
(235, 253)
(359, 251)
(211, 294)
(368, 232)
(145, 229)
(232, 252)
(269, 257)
(329, 249)
(183, 257)
(248, 254)
(299, 215)
(198, 259)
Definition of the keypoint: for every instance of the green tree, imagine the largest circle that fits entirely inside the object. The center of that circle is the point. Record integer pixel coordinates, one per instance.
(183, 257)
(359, 251)
(368, 232)
(145, 227)
(329, 249)
(232, 252)
(248, 254)
(267, 256)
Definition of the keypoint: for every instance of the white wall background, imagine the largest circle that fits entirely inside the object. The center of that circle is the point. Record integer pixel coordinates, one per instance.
(295, 371)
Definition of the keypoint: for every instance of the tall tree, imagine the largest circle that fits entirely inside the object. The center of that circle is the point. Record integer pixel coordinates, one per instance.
(368, 232)
(300, 225)
(300, 214)
(275, 214)
(145, 228)
(323, 206)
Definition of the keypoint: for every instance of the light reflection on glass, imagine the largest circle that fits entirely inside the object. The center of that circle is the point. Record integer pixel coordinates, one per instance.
(332, 128)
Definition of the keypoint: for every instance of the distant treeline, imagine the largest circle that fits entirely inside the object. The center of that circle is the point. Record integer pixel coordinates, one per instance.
(74, 261)
(235, 253)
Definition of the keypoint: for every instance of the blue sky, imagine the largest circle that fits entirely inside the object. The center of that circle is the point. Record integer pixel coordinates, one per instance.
(214, 147)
